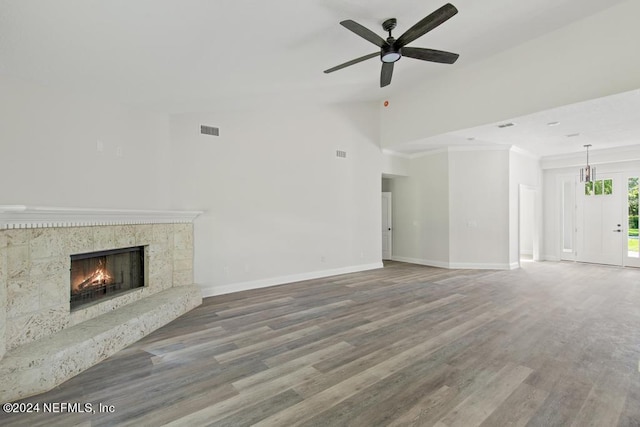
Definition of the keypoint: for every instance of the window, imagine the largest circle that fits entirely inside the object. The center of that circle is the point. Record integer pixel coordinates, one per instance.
(632, 203)
(598, 188)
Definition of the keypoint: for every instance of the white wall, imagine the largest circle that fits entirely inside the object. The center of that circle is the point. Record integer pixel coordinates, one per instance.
(280, 205)
(588, 59)
(421, 211)
(49, 157)
(453, 210)
(479, 209)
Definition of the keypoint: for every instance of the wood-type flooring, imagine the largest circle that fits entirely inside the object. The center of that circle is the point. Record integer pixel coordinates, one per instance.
(550, 344)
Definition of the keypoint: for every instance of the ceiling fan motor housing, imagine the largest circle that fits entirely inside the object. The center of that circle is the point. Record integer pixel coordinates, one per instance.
(389, 25)
(390, 53)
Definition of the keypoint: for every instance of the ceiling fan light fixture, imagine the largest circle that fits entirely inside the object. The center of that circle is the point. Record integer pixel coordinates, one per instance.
(390, 54)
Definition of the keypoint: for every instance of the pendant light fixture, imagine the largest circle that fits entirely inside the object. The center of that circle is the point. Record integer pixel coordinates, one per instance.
(588, 173)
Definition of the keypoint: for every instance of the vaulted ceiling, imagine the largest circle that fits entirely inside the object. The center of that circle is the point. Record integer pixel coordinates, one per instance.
(200, 55)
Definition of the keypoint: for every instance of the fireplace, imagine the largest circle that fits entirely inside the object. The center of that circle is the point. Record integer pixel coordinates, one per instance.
(105, 274)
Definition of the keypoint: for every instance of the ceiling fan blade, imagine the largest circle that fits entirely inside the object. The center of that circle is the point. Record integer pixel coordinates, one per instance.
(386, 73)
(430, 55)
(364, 32)
(353, 61)
(427, 24)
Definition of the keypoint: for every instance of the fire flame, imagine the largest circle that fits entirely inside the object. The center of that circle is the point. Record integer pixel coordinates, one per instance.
(99, 277)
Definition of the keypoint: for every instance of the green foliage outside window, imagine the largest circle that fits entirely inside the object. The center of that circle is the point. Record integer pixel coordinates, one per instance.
(633, 199)
(588, 188)
(597, 188)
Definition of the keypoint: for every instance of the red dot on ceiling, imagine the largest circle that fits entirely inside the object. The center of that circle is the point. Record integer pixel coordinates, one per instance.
(386, 103)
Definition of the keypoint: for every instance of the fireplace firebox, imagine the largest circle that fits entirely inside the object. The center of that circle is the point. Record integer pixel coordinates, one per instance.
(104, 274)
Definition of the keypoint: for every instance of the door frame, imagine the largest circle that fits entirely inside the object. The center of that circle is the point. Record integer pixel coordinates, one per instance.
(389, 196)
(523, 190)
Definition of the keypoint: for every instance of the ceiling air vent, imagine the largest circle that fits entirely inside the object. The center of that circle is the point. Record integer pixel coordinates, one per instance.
(340, 153)
(209, 130)
(506, 125)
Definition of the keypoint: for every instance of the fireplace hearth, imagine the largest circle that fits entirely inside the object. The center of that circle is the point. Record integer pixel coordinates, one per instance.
(44, 343)
(105, 274)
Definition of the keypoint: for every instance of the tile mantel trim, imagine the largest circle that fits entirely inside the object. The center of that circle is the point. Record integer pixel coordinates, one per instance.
(20, 216)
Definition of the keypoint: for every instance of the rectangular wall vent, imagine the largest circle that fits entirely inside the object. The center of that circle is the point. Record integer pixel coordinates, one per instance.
(209, 130)
(340, 153)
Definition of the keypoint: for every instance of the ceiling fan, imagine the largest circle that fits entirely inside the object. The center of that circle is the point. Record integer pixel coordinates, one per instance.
(391, 50)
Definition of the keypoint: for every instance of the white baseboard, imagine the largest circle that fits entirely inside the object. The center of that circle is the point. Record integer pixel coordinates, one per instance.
(209, 290)
(484, 266)
(427, 262)
(551, 258)
(458, 265)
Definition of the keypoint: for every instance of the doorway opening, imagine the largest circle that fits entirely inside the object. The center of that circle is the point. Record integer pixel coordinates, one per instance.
(387, 242)
(386, 228)
(528, 249)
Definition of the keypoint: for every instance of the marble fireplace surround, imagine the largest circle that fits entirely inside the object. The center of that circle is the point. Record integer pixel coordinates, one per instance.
(42, 342)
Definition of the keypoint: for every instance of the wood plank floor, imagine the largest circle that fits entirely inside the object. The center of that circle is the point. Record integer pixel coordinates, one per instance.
(551, 344)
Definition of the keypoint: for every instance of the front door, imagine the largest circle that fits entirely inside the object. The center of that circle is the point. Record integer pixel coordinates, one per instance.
(600, 230)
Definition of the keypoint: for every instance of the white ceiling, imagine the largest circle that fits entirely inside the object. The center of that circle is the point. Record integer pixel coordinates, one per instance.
(609, 122)
(204, 55)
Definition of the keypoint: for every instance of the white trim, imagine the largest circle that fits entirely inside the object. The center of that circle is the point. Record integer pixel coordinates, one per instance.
(20, 216)
(428, 152)
(389, 152)
(485, 147)
(553, 258)
(523, 152)
(461, 148)
(484, 266)
(621, 154)
(427, 262)
(209, 290)
(458, 265)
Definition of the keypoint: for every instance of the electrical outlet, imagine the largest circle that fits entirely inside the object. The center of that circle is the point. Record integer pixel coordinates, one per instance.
(99, 146)
(119, 151)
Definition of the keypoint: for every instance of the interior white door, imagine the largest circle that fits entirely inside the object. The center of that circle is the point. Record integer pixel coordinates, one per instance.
(599, 226)
(386, 226)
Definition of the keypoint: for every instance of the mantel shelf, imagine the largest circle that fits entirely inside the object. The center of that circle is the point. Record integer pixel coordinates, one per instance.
(19, 216)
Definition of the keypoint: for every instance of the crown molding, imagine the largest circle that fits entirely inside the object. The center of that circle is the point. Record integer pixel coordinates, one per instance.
(389, 152)
(523, 152)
